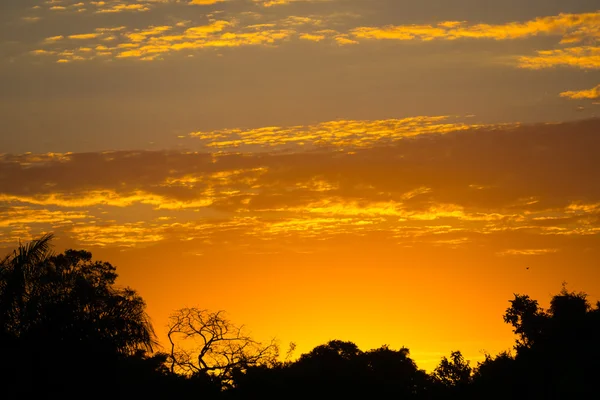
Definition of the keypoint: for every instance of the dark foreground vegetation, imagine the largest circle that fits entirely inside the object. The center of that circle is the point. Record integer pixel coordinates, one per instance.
(67, 331)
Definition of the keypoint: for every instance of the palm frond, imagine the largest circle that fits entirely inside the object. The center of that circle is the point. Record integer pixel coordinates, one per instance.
(33, 253)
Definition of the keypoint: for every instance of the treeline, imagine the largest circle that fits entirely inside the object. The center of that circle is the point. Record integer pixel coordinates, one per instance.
(67, 331)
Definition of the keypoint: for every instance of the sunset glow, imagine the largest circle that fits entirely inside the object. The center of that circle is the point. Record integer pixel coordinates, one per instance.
(373, 171)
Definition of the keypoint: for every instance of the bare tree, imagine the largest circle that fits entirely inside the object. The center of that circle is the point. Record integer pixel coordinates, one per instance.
(207, 342)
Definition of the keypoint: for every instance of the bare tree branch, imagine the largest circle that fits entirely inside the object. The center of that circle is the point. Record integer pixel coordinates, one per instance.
(207, 342)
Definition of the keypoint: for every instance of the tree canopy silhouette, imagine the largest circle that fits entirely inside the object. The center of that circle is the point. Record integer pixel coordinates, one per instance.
(70, 298)
(63, 319)
(455, 371)
(338, 369)
(556, 350)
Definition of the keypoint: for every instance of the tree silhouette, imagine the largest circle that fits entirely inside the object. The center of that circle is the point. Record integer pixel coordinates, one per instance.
(556, 348)
(63, 322)
(395, 374)
(70, 298)
(338, 369)
(204, 342)
(19, 271)
(455, 371)
(498, 378)
(527, 319)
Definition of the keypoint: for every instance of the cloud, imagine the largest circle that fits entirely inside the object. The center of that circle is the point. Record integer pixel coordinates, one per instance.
(341, 133)
(105, 7)
(117, 8)
(26, 222)
(125, 235)
(578, 34)
(154, 42)
(311, 37)
(344, 40)
(205, 2)
(54, 39)
(584, 57)
(527, 252)
(593, 93)
(84, 36)
(31, 19)
(573, 28)
(514, 187)
(16, 216)
(272, 3)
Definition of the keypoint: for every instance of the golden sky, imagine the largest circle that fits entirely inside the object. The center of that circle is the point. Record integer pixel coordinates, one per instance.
(382, 171)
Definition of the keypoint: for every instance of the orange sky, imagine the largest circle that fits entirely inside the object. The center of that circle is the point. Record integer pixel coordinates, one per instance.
(385, 174)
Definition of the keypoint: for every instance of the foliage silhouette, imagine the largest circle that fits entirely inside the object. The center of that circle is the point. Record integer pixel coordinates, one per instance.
(455, 371)
(63, 322)
(562, 346)
(338, 369)
(67, 331)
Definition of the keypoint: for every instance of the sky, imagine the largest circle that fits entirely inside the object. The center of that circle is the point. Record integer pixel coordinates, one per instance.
(383, 171)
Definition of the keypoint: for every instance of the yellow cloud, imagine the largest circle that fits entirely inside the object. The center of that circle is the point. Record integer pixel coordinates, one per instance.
(336, 206)
(205, 2)
(271, 3)
(84, 36)
(53, 39)
(25, 216)
(42, 52)
(107, 198)
(123, 7)
(125, 235)
(527, 252)
(585, 57)
(298, 21)
(340, 133)
(156, 41)
(572, 27)
(31, 19)
(593, 93)
(141, 35)
(344, 40)
(311, 37)
(204, 31)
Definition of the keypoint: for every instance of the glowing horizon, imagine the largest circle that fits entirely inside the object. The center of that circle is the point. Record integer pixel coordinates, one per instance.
(318, 169)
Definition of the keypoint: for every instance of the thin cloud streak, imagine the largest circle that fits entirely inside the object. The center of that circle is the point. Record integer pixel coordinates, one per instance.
(447, 189)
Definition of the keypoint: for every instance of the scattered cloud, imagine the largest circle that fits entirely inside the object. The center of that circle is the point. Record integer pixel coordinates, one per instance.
(154, 42)
(593, 93)
(84, 36)
(205, 2)
(311, 37)
(117, 8)
(31, 19)
(577, 33)
(527, 252)
(271, 3)
(16, 216)
(443, 189)
(573, 28)
(341, 133)
(584, 57)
